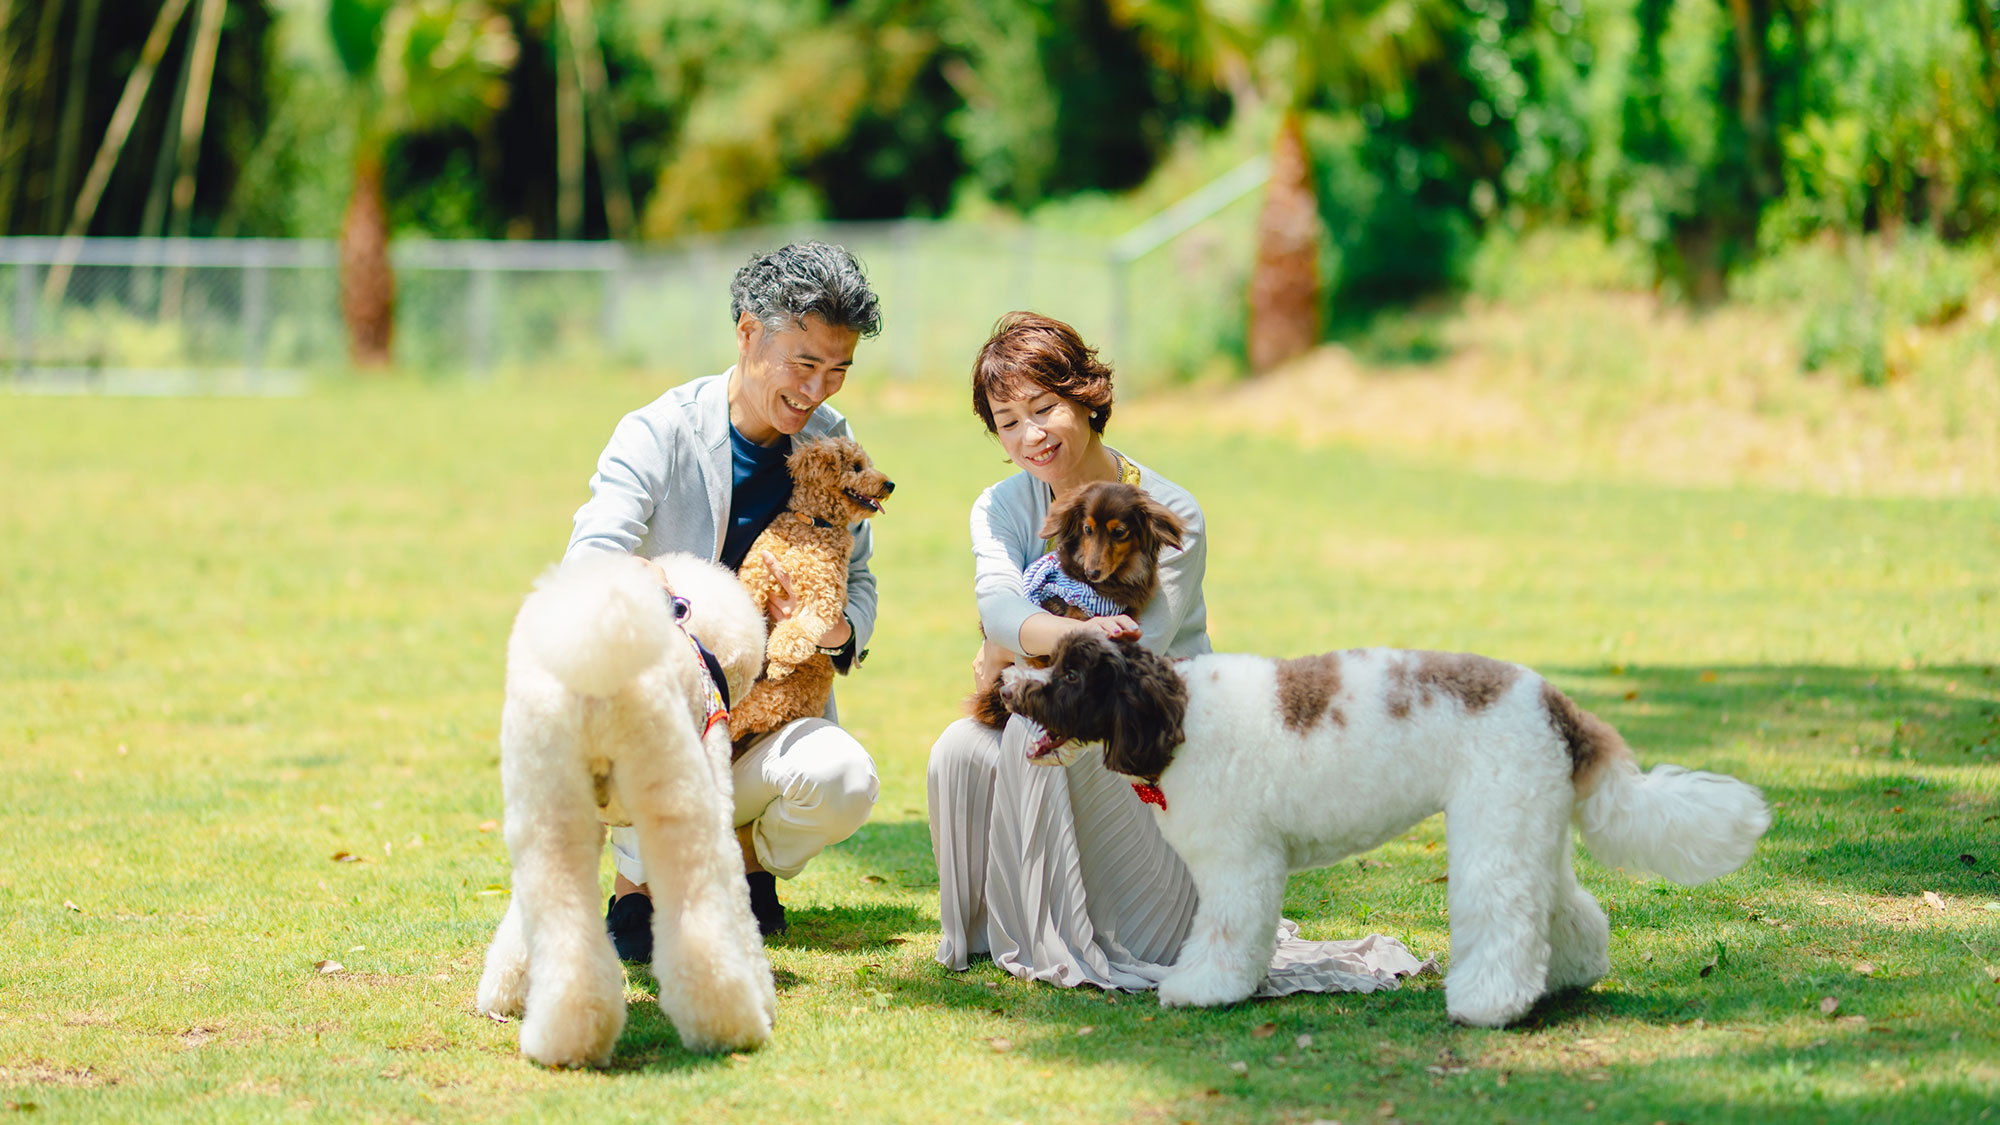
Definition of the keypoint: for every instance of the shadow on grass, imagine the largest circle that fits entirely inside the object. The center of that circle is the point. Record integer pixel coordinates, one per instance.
(1910, 819)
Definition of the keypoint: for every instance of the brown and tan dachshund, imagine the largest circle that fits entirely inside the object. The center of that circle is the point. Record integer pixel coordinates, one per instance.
(1107, 535)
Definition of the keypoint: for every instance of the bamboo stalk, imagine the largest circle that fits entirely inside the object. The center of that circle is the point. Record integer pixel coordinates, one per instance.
(114, 142)
(194, 116)
(569, 139)
(589, 50)
(70, 137)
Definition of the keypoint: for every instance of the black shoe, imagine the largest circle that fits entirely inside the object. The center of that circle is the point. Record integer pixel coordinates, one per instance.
(764, 904)
(630, 920)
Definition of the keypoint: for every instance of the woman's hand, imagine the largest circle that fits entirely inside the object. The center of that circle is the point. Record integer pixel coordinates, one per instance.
(988, 663)
(784, 602)
(1117, 627)
(1041, 631)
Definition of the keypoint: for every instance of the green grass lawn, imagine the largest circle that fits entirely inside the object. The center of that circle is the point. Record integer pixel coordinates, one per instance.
(250, 683)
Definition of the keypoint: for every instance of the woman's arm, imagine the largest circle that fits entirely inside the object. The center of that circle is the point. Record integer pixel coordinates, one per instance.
(1004, 541)
(1177, 605)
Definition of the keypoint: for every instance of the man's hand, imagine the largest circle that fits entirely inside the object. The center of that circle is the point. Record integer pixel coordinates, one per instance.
(785, 602)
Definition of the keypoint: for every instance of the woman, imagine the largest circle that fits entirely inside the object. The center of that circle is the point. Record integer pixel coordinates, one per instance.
(1060, 873)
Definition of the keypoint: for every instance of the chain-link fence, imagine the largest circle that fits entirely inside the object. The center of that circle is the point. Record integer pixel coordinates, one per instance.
(251, 315)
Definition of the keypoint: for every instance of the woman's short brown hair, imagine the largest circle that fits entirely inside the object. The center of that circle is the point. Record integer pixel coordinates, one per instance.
(1029, 353)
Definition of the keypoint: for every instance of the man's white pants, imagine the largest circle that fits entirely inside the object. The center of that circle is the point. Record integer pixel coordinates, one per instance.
(805, 786)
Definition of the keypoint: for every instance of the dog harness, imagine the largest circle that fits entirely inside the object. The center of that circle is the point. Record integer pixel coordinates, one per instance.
(1045, 578)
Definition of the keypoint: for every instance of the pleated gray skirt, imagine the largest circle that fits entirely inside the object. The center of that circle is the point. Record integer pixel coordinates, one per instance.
(1061, 875)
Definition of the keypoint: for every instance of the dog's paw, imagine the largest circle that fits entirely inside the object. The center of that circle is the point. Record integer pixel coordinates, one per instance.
(1201, 988)
(778, 671)
(575, 1032)
(789, 653)
(500, 996)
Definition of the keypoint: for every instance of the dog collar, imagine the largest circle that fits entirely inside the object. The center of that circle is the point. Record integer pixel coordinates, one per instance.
(1150, 794)
(815, 521)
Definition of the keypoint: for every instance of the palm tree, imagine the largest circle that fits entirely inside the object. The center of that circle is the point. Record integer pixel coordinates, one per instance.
(1293, 54)
(413, 66)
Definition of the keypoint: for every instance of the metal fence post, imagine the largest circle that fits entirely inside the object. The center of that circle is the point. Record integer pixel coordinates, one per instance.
(480, 317)
(24, 313)
(614, 301)
(256, 308)
(904, 363)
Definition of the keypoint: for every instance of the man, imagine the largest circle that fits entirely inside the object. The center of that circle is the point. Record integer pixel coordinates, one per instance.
(702, 470)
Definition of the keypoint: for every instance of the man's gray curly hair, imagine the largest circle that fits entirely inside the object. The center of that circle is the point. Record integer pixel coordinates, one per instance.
(806, 279)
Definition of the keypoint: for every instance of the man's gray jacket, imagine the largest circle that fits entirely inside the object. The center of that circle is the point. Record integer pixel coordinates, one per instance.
(664, 481)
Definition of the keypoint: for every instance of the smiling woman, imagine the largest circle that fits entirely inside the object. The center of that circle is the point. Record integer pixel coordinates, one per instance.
(1061, 874)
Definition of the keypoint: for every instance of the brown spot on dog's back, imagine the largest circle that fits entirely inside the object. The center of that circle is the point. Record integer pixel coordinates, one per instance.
(1591, 741)
(1400, 697)
(1305, 687)
(1477, 681)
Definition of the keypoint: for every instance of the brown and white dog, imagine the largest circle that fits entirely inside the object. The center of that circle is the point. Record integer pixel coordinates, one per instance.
(834, 485)
(1264, 767)
(1108, 536)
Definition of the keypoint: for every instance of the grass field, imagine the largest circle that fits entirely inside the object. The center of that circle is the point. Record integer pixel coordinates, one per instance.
(250, 668)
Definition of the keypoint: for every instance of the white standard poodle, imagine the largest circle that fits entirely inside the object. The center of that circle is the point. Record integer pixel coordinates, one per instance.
(611, 718)
(1260, 767)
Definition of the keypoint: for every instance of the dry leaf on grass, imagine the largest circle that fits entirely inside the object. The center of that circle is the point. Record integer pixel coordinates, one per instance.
(1240, 1069)
(68, 905)
(328, 966)
(1000, 1045)
(1865, 968)
(488, 825)
(1829, 1005)
(1263, 1031)
(1303, 1041)
(1932, 898)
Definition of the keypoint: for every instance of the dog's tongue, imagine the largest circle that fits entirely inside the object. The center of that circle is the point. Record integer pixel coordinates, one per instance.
(1045, 745)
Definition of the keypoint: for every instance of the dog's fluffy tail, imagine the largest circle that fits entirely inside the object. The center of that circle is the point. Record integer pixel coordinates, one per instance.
(596, 622)
(1687, 825)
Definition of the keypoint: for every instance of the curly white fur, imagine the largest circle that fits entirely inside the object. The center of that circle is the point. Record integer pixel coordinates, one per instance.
(604, 718)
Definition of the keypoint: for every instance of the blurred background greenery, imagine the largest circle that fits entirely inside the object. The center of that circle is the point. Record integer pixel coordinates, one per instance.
(1839, 153)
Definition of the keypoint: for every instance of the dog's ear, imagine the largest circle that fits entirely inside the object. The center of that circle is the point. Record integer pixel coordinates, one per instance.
(1165, 526)
(812, 458)
(1064, 518)
(1148, 704)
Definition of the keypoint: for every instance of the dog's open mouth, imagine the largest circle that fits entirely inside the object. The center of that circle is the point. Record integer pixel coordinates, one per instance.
(868, 502)
(1046, 744)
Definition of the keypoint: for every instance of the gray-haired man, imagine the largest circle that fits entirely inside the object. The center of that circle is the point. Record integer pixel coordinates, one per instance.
(702, 469)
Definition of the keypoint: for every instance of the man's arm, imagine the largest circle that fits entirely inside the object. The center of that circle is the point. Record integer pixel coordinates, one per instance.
(860, 596)
(629, 487)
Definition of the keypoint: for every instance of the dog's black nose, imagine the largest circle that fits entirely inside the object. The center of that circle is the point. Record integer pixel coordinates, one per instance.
(888, 487)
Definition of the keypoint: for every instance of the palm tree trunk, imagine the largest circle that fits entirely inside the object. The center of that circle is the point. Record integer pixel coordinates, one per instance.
(367, 283)
(1285, 284)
